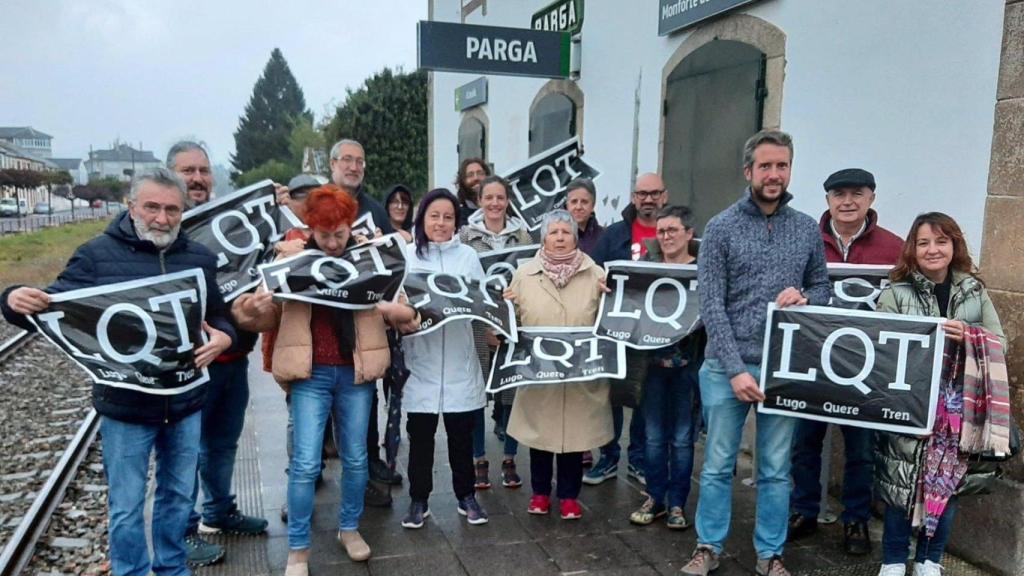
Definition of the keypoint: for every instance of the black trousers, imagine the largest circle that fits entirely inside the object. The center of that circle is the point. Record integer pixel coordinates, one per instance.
(570, 473)
(372, 434)
(421, 428)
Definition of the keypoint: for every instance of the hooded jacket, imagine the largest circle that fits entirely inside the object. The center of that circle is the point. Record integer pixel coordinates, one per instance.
(875, 245)
(119, 255)
(476, 235)
(407, 223)
(445, 372)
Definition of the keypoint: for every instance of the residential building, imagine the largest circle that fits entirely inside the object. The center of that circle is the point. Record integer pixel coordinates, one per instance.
(75, 167)
(28, 139)
(119, 161)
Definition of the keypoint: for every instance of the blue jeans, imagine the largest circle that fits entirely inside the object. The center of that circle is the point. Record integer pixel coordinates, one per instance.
(637, 439)
(126, 450)
(725, 417)
(223, 419)
(511, 444)
(669, 418)
(896, 536)
(857, 477)
(330, 389)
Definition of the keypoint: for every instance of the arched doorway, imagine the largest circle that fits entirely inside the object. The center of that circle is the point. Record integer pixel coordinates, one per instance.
(552, 121)
(472, 138)
(713, 103)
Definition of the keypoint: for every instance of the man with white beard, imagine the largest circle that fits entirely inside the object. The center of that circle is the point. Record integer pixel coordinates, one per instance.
(143, 242)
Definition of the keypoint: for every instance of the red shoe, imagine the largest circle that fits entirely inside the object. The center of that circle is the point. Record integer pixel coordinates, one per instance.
(539, 504)
(571, 509)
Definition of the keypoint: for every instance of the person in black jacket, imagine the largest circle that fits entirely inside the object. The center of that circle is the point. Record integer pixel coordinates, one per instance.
(348, 168)
(140, 243)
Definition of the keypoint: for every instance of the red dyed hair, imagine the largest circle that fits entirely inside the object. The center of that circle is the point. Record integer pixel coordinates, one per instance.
(328, 207)
(940, 223)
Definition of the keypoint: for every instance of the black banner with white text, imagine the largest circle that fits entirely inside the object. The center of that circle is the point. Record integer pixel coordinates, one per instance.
(866, 369)
(555, 356)
(650, 305)
(504, 263)
(857, 286)
(139, 335)
(441, 297)
(361, 277)
(538, 187)
(240, 229)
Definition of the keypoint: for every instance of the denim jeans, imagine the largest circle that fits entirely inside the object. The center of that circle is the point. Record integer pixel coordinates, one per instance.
(857, 477)
(726, 415)
(126, 450)
(896, 536)
(330, 390)
(668, 410)
(511, 444)
(223, 419)
(637, 438)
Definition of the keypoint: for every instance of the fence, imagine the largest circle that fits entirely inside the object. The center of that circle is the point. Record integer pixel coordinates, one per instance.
(33, 222)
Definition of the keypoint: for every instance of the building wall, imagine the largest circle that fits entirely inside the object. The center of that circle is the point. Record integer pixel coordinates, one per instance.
(102, 169)
(903, 89)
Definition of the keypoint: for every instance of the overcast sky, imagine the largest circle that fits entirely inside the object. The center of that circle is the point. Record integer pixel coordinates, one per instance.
(89, 72)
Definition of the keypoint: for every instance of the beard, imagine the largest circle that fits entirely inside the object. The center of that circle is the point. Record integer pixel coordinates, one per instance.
(760, 195)
(160, 238)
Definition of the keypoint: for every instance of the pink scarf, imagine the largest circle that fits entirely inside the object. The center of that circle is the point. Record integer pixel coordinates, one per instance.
(560, 269)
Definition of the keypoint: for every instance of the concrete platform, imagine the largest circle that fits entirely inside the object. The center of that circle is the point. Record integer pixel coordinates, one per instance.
(603, 542)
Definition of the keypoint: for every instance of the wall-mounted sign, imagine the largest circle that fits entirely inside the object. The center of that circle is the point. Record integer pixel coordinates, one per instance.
(560, 16)
(452, 47)
(679, 14)
(472, 94)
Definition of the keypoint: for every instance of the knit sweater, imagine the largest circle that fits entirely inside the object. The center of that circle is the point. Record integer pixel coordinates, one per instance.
(746, 260)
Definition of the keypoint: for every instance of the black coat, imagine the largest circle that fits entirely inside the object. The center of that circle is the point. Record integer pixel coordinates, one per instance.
(118, 255)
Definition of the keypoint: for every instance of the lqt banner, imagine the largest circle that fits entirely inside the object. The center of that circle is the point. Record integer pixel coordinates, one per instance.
(441, 297)
(140, 335)
(650, 305)
(538, 187)
(361, 277)
(503, 263)
(555, 356)
(240, 229)
(857, 286)
(867, 369)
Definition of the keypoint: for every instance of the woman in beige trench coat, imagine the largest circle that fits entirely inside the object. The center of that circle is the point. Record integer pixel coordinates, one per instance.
(560, 287)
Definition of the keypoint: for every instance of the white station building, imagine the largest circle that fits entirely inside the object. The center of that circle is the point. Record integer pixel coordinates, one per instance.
(902, 89)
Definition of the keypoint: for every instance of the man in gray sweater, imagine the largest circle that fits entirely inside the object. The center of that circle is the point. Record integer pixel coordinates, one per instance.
(757, 251)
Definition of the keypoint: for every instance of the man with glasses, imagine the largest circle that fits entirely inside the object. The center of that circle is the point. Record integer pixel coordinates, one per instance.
(625, 240)
(850, 231)
(348, 168)
(223, 415)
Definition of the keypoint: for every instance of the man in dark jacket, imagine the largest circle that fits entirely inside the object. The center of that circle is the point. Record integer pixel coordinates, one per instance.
(580, 200)
(850, 231)
(140, 243)
(624, 240)
(348, 167)
(223, 414)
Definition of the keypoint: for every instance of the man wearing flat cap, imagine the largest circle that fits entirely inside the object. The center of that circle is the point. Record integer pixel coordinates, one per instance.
(850, 231)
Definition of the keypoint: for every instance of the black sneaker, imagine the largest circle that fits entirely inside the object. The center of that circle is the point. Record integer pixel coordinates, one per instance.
(418, 511)
(380, 472)
(377, 495)
(235, 523)
(200, 552)
(801, 526)
(856, 540)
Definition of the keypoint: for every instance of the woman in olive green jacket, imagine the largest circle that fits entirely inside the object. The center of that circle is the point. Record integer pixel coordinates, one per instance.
(935, 277)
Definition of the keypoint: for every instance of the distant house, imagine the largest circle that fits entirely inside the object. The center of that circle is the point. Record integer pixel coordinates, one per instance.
(28, 139)
(75, 167)
(13, 157)
(120, 161)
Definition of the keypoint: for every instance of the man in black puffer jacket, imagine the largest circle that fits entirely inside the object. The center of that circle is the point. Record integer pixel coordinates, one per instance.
(140, 243)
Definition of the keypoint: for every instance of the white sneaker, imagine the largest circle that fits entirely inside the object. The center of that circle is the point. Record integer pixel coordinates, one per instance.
(893, 570)
(929, 568)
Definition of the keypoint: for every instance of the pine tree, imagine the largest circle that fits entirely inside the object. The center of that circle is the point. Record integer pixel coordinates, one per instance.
(388, 116)
(277, 103)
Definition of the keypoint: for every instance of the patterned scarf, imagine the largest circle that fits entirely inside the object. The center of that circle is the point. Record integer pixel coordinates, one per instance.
(560, 269)
(944, 466)
(986, 394)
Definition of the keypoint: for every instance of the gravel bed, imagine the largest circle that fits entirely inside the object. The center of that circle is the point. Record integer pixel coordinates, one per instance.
(76, 541)
(45, 398)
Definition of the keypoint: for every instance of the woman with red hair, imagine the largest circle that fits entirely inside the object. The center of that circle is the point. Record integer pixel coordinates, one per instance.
(327, 359)
(920, 479)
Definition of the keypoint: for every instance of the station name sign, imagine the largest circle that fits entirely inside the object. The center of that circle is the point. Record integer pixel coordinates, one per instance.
(676, 15)
(452, 47)
(561, 16)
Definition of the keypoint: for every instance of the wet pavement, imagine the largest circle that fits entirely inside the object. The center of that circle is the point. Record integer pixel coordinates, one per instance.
(603, 542)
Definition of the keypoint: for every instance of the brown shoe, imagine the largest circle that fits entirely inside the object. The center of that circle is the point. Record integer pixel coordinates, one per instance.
(356, 548)
(702, 562)
(771, 567)
(483, 480)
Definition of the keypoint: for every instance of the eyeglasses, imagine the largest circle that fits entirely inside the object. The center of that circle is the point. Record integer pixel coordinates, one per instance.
(153, 209)
(299, 194)
(353, 160)
(648, 194)
(399, 203)
(670, 231)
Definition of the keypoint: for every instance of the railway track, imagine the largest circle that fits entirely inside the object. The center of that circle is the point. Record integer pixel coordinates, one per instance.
(48, 445)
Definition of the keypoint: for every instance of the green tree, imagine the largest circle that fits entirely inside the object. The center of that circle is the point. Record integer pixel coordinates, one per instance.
(277, 103)
(276, 170)
(388, 116)
(303, 136)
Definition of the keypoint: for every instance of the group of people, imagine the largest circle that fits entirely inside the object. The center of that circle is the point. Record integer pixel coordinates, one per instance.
(757, 251)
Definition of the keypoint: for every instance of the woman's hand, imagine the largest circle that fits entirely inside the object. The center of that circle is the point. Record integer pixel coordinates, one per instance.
(492, 339)
(289, 247)
(955, 330)
(281, 193)
(602, 284)
(396, 313)
(509, 295)
(207, 353)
